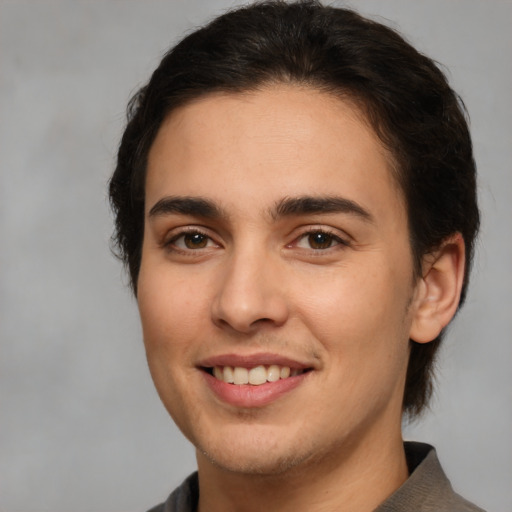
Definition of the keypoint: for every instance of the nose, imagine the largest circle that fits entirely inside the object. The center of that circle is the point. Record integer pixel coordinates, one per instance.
(250, 295)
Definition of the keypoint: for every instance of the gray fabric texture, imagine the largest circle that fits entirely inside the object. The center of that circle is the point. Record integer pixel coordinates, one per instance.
(426, 490)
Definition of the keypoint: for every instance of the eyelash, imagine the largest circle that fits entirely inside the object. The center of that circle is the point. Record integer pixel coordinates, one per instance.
(334, 238)
(170, 244)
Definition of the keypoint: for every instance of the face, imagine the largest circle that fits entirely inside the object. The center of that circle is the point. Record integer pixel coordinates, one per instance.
(276, 286)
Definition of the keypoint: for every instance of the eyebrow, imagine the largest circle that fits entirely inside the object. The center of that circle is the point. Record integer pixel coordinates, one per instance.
(287, 207)
(304, 205)
(185, 205)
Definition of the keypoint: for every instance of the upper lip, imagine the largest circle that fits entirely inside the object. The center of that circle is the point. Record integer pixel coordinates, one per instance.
(252, 360)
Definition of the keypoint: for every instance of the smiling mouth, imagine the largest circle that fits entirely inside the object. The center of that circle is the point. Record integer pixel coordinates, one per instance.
(255, 376)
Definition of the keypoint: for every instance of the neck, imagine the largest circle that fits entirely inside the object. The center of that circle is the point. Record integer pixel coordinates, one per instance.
(358, 481)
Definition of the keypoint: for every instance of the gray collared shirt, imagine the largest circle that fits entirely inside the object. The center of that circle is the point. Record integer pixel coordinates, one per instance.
(426, 490)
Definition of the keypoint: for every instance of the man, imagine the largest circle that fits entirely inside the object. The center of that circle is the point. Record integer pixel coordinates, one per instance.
(295, 202)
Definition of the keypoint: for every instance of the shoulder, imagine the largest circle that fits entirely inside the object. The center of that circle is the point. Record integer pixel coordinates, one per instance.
(183, 499)
(427, 489)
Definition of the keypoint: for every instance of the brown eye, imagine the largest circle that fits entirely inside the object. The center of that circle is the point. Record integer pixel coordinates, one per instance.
(195, 240)
(320, 240)
(190, 241)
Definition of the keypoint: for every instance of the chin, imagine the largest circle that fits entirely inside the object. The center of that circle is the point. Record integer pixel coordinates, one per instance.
(255, 455)
(262, 464)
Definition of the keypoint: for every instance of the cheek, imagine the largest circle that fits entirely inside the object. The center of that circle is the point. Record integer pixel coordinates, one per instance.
(360, 318)
(170, 313)
(351, 300)
(170, 308)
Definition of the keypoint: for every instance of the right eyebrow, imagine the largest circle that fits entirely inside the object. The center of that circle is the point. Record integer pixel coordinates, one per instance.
(186, 205)
(318, 205)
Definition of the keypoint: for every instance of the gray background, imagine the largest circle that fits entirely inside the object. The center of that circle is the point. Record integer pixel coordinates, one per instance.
(81, 428)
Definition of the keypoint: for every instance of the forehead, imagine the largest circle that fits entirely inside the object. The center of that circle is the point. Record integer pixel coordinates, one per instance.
(257, 147)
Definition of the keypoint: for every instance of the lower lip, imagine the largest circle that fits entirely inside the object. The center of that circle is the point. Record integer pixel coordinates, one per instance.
(249, 396)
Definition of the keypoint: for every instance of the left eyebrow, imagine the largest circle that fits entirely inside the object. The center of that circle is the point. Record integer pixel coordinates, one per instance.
(304, 205)
(186, 205)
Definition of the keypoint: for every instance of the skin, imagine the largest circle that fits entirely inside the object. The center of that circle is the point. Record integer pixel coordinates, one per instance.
(255, 282)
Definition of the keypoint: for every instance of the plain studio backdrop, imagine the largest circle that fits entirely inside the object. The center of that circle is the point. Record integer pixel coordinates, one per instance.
(81, 427)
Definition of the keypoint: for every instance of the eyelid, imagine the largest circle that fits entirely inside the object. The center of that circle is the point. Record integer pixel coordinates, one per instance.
(342, 239)
(176, 233)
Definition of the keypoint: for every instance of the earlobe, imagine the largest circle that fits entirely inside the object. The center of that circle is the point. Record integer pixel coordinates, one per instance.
(438, 290)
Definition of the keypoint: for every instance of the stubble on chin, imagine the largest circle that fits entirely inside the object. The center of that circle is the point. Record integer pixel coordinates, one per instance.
(263, 462)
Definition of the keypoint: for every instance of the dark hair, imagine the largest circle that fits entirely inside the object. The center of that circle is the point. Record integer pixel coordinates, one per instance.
(404, 95)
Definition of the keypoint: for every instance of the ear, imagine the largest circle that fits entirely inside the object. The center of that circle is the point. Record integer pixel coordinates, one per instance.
(438, 290)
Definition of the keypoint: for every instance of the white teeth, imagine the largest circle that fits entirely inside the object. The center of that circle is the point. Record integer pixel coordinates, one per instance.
(255, 376)
(240, 375)
(273, 373)
(258, 375)
(228, 375)
(285, 372)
